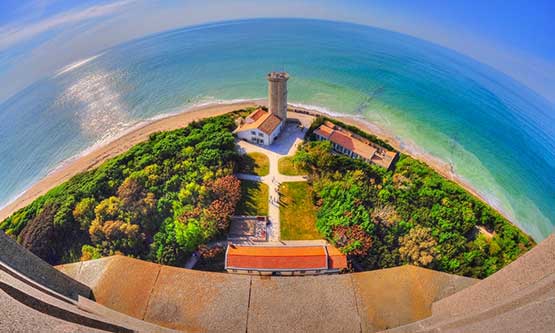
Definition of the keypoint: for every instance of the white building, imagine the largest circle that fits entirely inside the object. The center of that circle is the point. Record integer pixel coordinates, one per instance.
(262, 127)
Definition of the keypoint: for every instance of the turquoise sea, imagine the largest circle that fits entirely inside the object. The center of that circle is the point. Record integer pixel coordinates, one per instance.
(497, 134)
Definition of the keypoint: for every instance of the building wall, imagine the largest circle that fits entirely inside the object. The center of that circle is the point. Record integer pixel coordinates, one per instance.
(277, 96)
(275, 133)
(266, 139)
(253, 135)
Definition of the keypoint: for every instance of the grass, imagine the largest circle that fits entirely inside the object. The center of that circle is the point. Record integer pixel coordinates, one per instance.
(254, 199)
(288, 168)
(297, 213)
(254, 164)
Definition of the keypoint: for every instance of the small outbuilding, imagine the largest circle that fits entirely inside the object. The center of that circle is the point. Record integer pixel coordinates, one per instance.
(284, 260)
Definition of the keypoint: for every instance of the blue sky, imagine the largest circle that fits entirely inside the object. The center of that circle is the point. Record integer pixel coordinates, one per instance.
(38, 37)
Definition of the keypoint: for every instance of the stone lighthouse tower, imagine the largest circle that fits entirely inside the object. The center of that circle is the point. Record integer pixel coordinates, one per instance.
(277, 94)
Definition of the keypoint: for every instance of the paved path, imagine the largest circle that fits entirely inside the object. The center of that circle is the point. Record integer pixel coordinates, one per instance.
(285, 145)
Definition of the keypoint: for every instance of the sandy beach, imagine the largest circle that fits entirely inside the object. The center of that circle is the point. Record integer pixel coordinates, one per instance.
(441, 167)
(141, 133)
(119, 145)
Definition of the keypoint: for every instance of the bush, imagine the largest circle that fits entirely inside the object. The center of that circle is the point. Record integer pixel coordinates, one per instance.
(159, 201)
(408, 215)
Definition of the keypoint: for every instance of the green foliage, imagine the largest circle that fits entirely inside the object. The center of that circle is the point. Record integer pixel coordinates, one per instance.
(401, 210)
(345, 204)
(83, 213)
(158, 201)
(90, 252)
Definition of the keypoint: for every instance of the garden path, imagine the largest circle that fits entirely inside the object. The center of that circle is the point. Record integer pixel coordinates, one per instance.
(285, 145)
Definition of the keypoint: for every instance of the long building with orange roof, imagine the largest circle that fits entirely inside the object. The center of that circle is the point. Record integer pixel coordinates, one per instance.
(355, 146)
(284, 260)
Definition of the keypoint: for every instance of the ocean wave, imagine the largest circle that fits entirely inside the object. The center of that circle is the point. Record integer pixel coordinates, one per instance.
(130, 127)
(320, 109)
(76, 64)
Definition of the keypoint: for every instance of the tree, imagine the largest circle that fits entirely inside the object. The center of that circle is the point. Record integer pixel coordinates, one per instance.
(64, 216)
(83, 212)
(130, 191)
(385, 215)
(39, 235)
(315, 156)
(173, 192)
(352, 241)
(108, 209)
(227, 193)
(227, 188)
(418, 247)
(112, 236)
(343, 203)
(89, 252)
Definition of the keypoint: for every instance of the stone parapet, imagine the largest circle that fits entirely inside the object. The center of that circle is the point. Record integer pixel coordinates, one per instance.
(16, 260)
(192, 300)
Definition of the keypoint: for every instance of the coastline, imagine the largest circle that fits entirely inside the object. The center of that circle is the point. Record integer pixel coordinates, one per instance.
(140, 132)
(438, 165)
(96, 157)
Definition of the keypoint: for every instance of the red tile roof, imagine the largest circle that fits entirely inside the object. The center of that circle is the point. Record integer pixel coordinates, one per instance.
(269, 124)
(257, 114)
(263, 121)
(359, 145)
(324, 131)
(284, 258)
(336, 259)
(354, 145)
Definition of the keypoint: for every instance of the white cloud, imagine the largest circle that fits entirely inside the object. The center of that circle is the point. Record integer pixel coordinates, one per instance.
(122, 21)
(22, 31)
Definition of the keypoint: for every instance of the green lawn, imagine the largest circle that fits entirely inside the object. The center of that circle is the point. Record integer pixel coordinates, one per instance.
(254, 164)
(297, 213)
(286, 167)
(254, 199)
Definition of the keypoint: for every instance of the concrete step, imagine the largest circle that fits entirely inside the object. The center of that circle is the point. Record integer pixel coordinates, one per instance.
(51, 307)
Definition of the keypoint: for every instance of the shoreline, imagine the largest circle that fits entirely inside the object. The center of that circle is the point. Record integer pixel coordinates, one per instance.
(94, 158)
(140, 132)
(441, 167)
